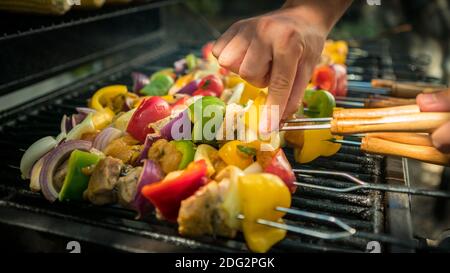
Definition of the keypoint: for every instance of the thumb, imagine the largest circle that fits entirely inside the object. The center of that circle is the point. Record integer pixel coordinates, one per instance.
(434, 102)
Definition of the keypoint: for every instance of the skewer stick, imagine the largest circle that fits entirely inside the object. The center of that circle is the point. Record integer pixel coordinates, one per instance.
(348, 230)
(369, 186)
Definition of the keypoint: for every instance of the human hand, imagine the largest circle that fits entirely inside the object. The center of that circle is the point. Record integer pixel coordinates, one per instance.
(437, 102)
(280, 49)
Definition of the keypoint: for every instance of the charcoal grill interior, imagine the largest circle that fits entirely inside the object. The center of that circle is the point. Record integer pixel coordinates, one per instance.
(28, 221)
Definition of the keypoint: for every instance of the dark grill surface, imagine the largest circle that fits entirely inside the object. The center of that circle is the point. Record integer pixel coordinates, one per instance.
(362, 210)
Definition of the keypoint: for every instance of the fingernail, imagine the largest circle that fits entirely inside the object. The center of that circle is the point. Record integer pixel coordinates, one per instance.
(427, 98)
(443, 148)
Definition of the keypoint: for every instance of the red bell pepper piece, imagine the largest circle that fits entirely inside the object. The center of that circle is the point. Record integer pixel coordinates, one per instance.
(149, 111)
(204, 93)
(167, 195)
(207, 50)
(211, 83)
(324, 77)
(280, 166)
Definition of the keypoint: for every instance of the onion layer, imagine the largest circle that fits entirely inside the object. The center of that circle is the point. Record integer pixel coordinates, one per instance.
(34, 153)
(151, 173)
(53, 160)
(139, 81)
(149, 140)
(105, 137)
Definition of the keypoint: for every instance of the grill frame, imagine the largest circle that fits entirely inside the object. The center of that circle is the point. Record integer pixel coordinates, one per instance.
(49, 210)
(23, 209)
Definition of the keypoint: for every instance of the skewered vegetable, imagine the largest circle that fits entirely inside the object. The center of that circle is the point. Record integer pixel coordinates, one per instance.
(76, 180)
(146, 158)
(167, 195)
(260, 195)
(149, 111)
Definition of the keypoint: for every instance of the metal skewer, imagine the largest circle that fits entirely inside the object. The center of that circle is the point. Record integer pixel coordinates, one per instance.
(348, 230)
(368, 186)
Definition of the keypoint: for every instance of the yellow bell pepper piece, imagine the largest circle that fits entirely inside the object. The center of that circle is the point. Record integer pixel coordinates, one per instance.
(102, 101)
(206, 152)
(259, 195)
(231, 155)
(233, 80)
(169, 98)
(316, 144)
(250, 92)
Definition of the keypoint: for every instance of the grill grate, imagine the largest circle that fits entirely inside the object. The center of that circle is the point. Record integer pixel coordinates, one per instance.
(363, 209)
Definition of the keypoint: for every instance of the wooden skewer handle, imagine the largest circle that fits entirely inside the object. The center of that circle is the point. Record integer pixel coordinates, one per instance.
(422, 153)
(418, 123)
(407, 89)
(389, 102)
(405, 138)
(376, 112)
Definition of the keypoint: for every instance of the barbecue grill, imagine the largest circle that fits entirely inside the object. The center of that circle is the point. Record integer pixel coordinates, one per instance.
(42, 81)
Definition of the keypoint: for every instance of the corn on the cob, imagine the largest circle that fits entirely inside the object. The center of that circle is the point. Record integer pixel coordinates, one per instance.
(90, 4)
(57, 7)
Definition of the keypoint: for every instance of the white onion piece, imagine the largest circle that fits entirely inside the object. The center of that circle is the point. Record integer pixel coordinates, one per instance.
(35, 173)
(236, 93)
(34, 153)
(255, 167)
(87, 126)
(85, 110)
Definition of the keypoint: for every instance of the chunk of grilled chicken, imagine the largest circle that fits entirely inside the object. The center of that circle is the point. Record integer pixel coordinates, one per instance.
(127, 186)
(166, 155)
(203, 213)
(104, 178)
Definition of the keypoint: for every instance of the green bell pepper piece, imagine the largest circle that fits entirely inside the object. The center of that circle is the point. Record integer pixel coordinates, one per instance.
(320, 104)
(204, 102)
(191, 61)
(76, 182)
(187, 149)
(159, 85)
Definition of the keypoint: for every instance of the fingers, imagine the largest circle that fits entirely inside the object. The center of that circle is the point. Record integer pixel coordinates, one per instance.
(255, 67)
(304, 71)
(286, 56)
(221, 43)
(441, 138)
(434, 102)
(234, 52)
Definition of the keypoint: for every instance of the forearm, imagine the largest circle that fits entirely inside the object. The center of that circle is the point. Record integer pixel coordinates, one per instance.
(322, 13)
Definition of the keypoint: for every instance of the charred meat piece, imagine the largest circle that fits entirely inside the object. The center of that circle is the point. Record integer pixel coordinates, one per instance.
(127, 185)
(166, 155)
(101, 188)
(203, 213)
(124, 148)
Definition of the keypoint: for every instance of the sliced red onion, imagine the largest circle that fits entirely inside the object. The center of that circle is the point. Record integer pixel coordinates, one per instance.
(53, 160)
(139, 81)
(151, 173)
(63, 126)
(77, 119)
(166, 131)
(129, 104)
(85, 110)
(105, 137)
(189, 88)
(180, 66)
(69, 124)
(147, 144)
